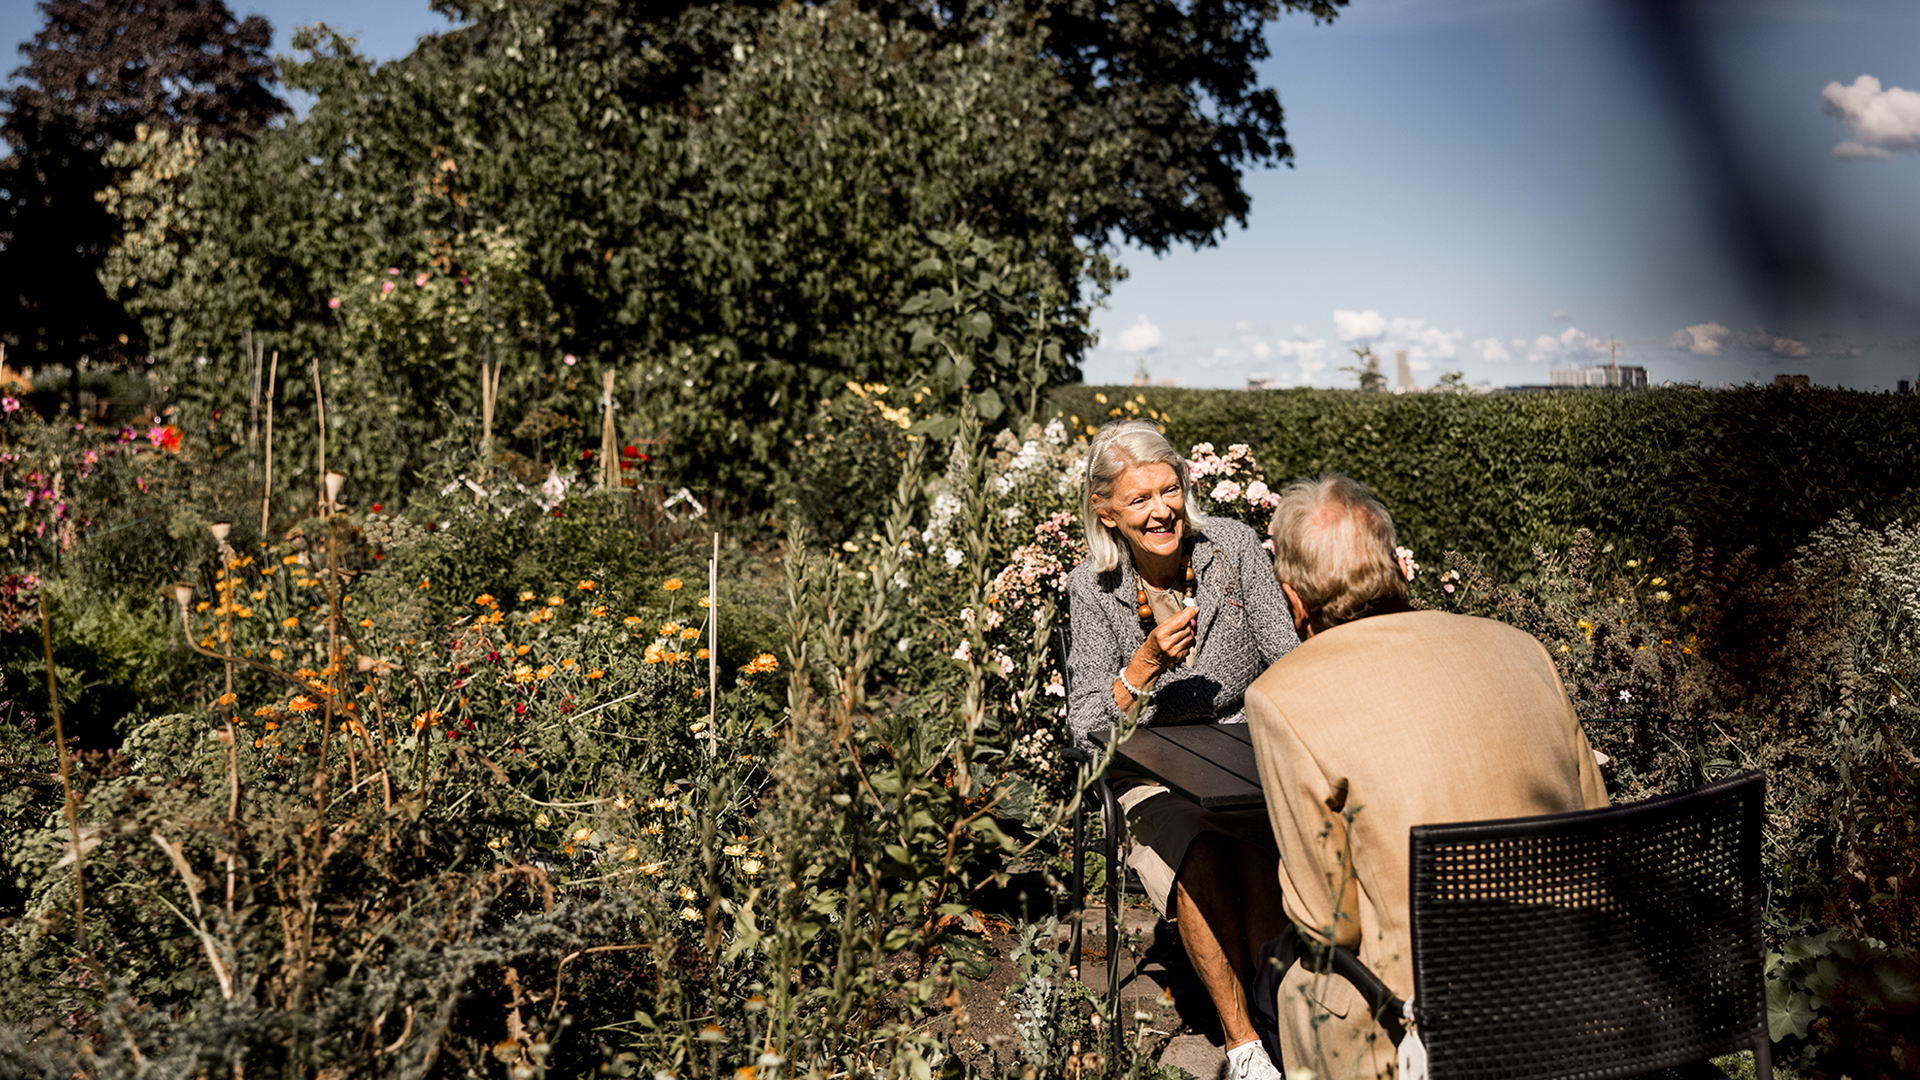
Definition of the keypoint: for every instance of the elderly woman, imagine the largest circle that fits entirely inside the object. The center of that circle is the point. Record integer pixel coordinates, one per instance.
(1180, 611)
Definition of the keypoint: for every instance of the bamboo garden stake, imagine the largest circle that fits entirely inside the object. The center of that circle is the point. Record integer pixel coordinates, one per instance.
(609, 465)
(713, 646)
(266, 493)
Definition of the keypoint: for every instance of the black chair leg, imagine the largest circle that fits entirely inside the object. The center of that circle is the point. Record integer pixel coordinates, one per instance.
(1079, 879)
(1110, 811)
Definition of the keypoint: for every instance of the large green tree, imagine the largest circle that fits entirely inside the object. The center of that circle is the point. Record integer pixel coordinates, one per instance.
(96, 72)
(731, 204)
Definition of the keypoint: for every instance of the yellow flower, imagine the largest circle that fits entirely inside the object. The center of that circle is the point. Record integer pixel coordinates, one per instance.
(261, 595)
(289, 560)
(581, 836)
(523, 674)
(275, 654)
(545, 672)
(631, 620)
(632, 853)
(690, 633)
(751, 866)
(1657, 582)
(655, 654)
(1101, 398)
(290, 622)
(735, 850)
(668, 629)
(653, 868)
(202, 606)
(687, 894)
(540, 818)
(527, 594)
(302, 703)
(569, 663)
(523, 650)
(671, 584)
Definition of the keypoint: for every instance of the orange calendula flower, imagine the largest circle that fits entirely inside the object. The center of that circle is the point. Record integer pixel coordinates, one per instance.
(290, 622)
(523, 650)
(264, 710)
(701, 655)
(366, 624)
(302, 703)
(228, 698)
(599, 611)
(424, 583)
(555, 601)
(706, 601)
(631, 620)
(690, 633)
(596, 673)
(485, 600)
(656, 655)
(527, 594)
(271, 726)
(764, 662)
(587, 586)
(672, 584)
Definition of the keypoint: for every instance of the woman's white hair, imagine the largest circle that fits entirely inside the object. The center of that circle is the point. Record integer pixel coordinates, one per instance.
(1117, 447)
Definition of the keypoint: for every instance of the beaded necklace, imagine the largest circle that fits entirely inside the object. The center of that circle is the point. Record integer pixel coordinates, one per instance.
(1140, 591)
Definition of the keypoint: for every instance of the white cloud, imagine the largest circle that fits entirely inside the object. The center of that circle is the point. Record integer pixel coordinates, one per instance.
(1706, 339)
(1141, 337)
(1882, 121)
(1574, 346)
(1492, 351)
(1789, 347)
(1358, 325)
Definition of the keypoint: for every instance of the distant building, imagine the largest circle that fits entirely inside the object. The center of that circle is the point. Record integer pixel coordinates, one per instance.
(1905, 387)
(1403, 374)
(1623, 376)
(1793, 382)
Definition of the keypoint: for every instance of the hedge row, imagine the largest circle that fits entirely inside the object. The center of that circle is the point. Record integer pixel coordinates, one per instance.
(1494, 475)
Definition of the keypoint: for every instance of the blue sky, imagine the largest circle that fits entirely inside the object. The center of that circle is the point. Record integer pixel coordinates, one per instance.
(1500, 187)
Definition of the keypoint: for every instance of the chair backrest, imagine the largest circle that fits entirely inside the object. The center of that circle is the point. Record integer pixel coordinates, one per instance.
(1595, 944)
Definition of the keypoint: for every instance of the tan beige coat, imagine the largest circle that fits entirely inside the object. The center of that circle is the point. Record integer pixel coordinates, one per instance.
(1367, 730)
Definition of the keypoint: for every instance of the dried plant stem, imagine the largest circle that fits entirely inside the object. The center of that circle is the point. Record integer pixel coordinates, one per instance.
(66, 783)
(266, 491)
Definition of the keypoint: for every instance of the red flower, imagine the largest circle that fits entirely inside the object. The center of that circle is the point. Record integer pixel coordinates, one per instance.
(586, 455)
(165, 438)
(630, 451)
(375, 508)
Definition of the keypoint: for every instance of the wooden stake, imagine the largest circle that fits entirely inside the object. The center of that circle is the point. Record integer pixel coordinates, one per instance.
(713, 650)
(66, 782)
(609, 452)
(266, 493)
(320, 412)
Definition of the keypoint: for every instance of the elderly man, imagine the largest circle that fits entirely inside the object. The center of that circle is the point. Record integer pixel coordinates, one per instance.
(1385, 718)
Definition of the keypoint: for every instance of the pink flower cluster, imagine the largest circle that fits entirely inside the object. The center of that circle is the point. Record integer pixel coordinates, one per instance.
(1041, 566)
(1239, 476)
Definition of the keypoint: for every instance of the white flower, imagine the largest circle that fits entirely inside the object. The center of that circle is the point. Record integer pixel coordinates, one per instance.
(1056, 432)
(1006, 663)
(1626, 695)
(955, 557)
(553, 491)
(1257, 491)
(966, 616)
(964, 653)
(1055, 689)
(903, 645)
(1226, 491)
(1407, 565)
(1012, 514)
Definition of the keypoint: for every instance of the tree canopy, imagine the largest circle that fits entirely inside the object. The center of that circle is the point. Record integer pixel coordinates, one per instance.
(95, 74)
(731, 203)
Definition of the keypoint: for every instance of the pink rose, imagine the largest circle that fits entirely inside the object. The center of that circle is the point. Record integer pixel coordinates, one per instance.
(386, 287)
(421, 280)
(1226, 491)
(334, 303)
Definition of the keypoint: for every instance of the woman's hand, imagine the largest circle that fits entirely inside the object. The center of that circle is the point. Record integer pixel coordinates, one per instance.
(1167, 646)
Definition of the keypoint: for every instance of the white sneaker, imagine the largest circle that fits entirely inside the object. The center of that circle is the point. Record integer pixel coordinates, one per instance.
(1249, 1061)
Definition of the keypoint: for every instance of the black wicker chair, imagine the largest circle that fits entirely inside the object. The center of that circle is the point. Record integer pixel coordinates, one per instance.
(1607, 943)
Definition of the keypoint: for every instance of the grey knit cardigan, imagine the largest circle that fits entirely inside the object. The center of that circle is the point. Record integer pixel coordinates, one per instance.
(1243, 627)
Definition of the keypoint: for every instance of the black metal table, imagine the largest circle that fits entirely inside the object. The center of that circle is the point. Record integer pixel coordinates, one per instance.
(1210, 764)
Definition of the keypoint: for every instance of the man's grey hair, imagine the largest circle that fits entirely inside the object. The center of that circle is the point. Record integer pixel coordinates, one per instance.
(1117, 447)
(1333, 543)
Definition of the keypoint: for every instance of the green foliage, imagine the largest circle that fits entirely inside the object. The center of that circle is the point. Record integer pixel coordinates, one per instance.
(1839, 1006)
(1497, 475)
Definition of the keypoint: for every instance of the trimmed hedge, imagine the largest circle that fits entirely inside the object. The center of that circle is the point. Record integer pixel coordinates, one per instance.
(1494, 475)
